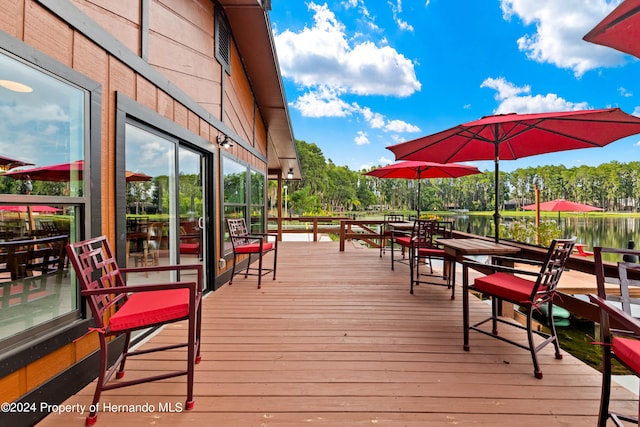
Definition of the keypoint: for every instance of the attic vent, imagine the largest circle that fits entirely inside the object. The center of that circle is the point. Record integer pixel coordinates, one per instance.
(223, 54)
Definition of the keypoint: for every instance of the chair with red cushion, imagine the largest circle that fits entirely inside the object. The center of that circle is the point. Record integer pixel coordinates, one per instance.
(619, 326)
(511, 284)
(118, 309)
(385, 229)
(424, 248)
(401, 237)
(245, 243)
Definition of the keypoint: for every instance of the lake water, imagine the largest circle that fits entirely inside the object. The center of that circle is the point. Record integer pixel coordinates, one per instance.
(592, 231)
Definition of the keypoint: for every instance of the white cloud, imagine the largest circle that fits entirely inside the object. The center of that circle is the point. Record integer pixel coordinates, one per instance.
(361, 138)
(559, 28)
(322, 103)
(624, 92)
(515, 99)
(323, 55)
(396, 9)
(636, 111)
(400, 126)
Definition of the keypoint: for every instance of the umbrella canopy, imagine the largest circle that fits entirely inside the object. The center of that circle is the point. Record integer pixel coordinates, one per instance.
(512, 136)
(62, 172)
(562, 205)
(7, 163)
(136, 177)
(620, 29)
(421, 170)
(34, 208)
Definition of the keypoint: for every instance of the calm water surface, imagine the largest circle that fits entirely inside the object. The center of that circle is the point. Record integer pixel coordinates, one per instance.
(592, 231)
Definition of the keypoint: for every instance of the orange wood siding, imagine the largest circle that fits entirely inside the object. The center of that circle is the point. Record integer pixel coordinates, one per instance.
(181, 48)
(122, 18)
(239, 110)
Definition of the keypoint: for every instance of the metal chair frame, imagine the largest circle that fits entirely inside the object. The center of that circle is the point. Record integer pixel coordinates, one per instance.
(385, 230)
(424, 248)
(616, 320)
(245, 243)
(104, 287)
(501, 285)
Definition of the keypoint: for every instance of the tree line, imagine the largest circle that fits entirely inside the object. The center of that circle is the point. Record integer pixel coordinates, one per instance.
(326, 188)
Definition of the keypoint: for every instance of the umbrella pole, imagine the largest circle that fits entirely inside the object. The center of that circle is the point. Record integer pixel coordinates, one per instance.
(418, 199)
(496, 214)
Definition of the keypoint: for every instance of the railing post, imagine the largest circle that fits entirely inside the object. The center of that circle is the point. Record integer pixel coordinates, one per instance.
(342, 232)
(315, 229)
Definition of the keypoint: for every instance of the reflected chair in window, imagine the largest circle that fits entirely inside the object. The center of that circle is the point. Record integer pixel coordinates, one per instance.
(135, 307)
(424, 248)
(511, 284)
(385, 230)
(150, 251)
(245, 243)
(619, 324)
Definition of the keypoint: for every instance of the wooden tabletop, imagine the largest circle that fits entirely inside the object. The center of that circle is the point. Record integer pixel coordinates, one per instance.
(461, 247)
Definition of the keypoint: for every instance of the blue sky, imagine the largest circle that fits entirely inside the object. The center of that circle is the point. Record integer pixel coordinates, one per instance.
(360, 75)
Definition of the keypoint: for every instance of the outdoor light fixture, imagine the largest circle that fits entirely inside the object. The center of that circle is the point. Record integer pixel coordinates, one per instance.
(290, 173)
(224, 141)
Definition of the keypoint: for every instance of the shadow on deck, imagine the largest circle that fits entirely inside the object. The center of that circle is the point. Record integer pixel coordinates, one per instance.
(337, 340)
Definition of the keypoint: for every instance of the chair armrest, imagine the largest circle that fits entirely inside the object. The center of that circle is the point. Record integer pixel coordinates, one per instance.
(140, 288)
(172, 267)
(617, 315)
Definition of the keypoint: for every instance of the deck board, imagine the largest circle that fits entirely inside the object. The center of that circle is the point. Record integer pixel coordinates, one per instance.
(337, 340)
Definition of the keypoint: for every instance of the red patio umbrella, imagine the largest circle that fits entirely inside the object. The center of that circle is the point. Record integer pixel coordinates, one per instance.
(136, 177)
(34, 208)
(512, 136)
(562, 205)
(620, 29)
(62, 172)
(421, 170)
(7, 163)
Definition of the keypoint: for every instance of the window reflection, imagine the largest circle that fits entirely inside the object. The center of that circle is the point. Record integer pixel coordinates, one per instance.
(42, 148)
(42, 130)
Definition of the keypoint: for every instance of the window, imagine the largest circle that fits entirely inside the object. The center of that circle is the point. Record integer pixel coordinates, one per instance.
(43, 122)
(243, 196)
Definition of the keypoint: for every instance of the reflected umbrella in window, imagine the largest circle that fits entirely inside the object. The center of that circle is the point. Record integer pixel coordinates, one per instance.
(7, 163)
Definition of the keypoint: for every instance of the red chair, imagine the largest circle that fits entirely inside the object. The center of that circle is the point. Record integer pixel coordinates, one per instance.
(620, 331)
(504, 285)
(385, 229)
(134, 307)
(401, 237)
(424, 248)
(245, 243)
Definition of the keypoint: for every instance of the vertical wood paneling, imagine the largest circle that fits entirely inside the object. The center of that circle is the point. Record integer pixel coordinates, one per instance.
(12, 386)
(181, 115)
(146, 93)
(165, 105)
(57, 41)
(12, 18)
(48, 366)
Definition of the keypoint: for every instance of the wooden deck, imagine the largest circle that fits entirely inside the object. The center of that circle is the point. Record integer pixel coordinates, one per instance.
(337, 340)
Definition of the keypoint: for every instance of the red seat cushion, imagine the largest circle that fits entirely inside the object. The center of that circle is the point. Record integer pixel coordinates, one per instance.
(431, 252)
(253, 248)
(404, 241)
(148, 308)
(628, 350)
(505, 286)
(189, 248)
